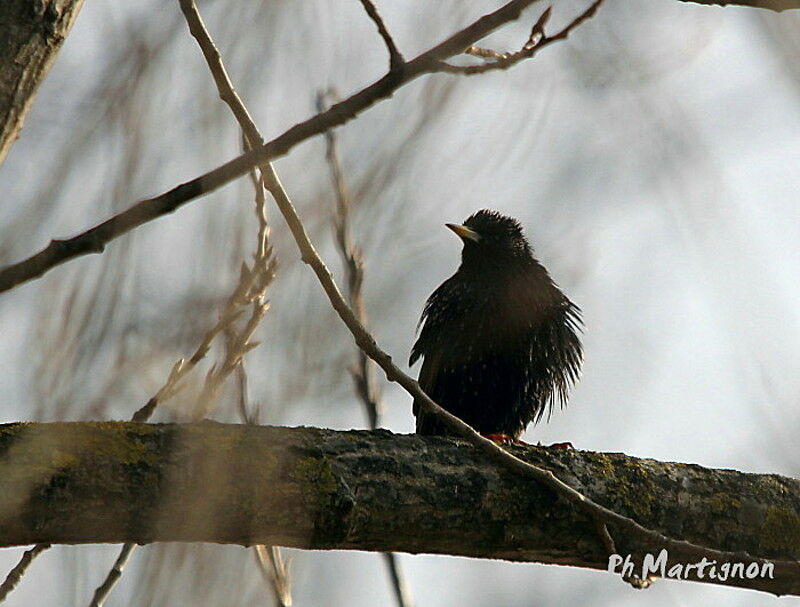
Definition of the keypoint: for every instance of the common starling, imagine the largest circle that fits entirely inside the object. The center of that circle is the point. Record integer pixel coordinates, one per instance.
(499, 339)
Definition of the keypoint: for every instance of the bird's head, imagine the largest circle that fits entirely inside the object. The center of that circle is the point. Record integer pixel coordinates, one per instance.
(491, 238)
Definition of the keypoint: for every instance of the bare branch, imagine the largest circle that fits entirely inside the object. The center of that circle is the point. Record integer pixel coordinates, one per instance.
(15, 575)
(95, 239)
(276, 572)
(396, 60)
(323, 489)
(103, 590)
(584, 16)
(269, 558)
(225, 87)
(402, 593)
(770, 5)
(32, 35)
(536, 42)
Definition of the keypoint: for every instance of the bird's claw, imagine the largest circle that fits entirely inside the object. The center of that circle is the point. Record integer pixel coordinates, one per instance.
(505, 439)
(565, 445)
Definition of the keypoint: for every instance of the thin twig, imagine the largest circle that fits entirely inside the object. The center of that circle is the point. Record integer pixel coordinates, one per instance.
(15, 575)
(396, 60)
(584, 16)
(611, 548)
(276, 573)
(402, 592)
(239, 344)
(95, 239)
(248, 290)
(536, 42)
(102, 591)
(231, 312)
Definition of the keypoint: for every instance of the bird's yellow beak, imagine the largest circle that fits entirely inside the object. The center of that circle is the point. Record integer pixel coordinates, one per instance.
(464, 232)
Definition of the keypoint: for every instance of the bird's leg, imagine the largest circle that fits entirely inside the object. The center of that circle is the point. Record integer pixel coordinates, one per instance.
(503, 439)
(506, 439)
(566, 445)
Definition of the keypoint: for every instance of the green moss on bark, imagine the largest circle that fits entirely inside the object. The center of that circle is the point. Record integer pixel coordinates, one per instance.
(780, 532)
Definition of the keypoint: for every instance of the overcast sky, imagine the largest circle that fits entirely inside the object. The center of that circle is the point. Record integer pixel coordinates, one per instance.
(652, 159)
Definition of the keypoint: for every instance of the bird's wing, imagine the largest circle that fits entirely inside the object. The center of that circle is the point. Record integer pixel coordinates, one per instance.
(443, 308)
(427, 378)
(442, 315)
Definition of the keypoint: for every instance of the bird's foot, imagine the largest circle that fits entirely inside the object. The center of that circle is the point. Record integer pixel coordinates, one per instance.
(505, 439)
(566, 445)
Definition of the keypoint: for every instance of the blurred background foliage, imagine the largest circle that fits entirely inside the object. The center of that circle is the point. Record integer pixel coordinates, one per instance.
(652, 158)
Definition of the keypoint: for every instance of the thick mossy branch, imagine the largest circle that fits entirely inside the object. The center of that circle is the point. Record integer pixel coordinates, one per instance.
(119, 482)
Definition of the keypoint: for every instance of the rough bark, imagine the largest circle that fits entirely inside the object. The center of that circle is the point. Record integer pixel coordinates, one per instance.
(119, 482)
(31, 34)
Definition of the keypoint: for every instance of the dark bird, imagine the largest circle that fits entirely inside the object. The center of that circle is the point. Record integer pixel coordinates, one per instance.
(499, 339)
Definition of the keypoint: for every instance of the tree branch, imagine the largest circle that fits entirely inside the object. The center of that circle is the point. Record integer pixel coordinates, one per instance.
(395, 56)
(377, 491)
(770, 5)
(103, 590)
(537, 40)
(32, 34)
(94, 239)
(16, 574)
